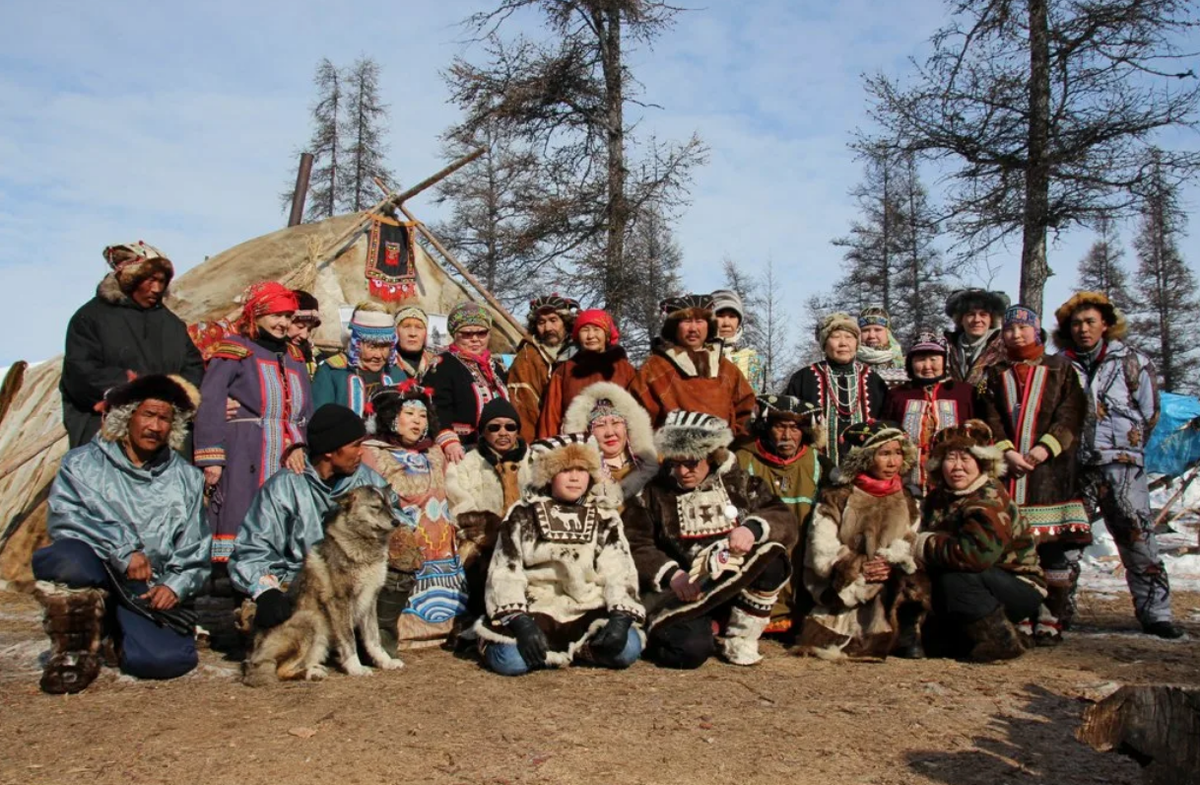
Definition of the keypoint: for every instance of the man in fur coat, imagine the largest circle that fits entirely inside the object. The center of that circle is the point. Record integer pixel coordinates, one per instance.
(687, 371)
(551, 319)
(125, 331)
(1122, 408)
(783, 452)
(974, 343)
(124, 508)
(483, 486)
(711, 544)
(562, 585)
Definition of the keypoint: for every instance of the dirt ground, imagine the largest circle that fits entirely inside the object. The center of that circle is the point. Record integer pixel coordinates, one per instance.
(443, 719)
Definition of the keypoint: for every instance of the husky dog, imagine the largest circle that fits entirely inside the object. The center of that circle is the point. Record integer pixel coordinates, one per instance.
(335, 594)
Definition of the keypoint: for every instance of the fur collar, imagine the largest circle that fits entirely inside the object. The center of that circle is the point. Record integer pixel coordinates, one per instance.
(110, 292)
(681, 358)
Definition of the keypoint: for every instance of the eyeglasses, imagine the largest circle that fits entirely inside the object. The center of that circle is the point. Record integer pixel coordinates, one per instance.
(496, 427)
(468, 334)
(686, 464)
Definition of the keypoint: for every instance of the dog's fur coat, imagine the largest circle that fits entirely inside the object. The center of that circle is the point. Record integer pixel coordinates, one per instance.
(335, 595)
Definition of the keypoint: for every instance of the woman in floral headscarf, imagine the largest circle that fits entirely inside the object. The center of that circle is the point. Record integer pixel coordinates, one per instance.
(260, 370)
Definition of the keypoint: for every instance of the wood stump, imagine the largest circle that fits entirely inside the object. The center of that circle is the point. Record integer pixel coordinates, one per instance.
(1158, 726)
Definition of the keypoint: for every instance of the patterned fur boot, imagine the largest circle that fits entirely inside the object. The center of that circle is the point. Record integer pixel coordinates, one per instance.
(740, 644)
(74, 620)
(994, 637)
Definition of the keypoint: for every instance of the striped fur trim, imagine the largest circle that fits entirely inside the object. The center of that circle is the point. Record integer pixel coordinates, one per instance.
(692, 435)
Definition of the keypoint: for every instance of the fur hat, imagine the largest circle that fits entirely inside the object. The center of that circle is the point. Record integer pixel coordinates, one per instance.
(963, 300)
(566, 308)
(687, 306)
(973, 436)
(729, 300)
(1113, 317)
(387, 403)
(121, 402)
(864, 439)
(836, 321)
(691, 435)
(926, 343)
(134, 262)
(548, 457)
(768, 408)
(468, 314)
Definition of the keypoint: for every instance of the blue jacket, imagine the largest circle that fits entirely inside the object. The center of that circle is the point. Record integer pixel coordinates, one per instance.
(99, 497)
(337, 382)
(285, 520)
(1122, 394)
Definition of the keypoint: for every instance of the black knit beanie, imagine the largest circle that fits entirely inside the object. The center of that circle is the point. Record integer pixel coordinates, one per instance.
(333, 427)
(498, 407)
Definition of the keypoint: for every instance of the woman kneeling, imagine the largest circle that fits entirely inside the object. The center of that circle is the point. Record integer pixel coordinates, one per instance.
(977, 548)
(562, 584)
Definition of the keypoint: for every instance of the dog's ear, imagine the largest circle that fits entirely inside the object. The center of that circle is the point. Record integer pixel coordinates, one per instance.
(346, 501)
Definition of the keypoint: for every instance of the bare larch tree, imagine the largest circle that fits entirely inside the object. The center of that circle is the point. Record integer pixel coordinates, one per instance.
(1043, 110)
(364, 124)
(325, 146)
(1166, 288)
(1101, 269)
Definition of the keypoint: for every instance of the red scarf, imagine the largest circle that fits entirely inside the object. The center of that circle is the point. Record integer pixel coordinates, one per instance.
(876, 486)
(483, 360)
(771, 457)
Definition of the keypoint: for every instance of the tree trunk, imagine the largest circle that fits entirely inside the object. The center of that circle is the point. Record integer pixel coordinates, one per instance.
(1158, 726)
(1034, 269)
(609, 27)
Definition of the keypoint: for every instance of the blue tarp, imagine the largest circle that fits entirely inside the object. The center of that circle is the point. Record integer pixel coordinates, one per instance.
(1175, 443)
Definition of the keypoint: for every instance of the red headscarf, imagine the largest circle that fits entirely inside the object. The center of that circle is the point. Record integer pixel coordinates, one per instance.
(261, 299)
(597, 318)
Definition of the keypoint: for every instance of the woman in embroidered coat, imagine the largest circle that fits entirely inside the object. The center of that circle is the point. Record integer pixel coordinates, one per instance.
(600, 358)
(1036, 407)
(977, 549)
(845, 390)
(351, 377)
(426, 589)
(464, 380)
(265, 375)
(858, 566)
(562, 585)
(928, 402)
(621, 431)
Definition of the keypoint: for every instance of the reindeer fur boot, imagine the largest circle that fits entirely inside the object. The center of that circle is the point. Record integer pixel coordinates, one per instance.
(74, 620)
(740, 644)
(994, 638)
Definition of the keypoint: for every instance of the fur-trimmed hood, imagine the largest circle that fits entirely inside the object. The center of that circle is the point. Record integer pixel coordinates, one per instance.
(638, 428)
(121, 402)
(1118, 327)
(859, 459)
(973, 436)
(109, 290)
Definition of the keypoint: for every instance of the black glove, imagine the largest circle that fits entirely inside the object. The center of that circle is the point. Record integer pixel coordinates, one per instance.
(610, 640)
(271, 608)
(531, 641)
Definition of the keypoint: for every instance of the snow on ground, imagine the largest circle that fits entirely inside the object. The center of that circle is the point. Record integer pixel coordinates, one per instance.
(1180, 549)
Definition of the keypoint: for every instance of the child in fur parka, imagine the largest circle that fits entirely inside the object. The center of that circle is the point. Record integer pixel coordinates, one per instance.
(562, 584)
(859, 567)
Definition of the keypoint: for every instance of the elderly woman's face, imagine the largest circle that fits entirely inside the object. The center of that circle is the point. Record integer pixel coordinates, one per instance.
(275, 325)
(472, 339)
(928, 366)
(959, 469)
(888, 461)
(373, 356)
(592, 338)
(411, 335)
(841, 346)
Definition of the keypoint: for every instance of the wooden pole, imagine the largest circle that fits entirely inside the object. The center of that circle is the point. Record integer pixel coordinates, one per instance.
(301, 192)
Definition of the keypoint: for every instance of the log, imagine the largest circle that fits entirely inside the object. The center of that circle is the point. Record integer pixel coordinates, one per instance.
(12, 385)
(1158, 726)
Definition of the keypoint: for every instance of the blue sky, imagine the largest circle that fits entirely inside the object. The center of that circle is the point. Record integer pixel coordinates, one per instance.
(176, 124)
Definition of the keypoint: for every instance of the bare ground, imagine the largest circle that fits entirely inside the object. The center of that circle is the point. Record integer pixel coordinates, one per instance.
(444, 719)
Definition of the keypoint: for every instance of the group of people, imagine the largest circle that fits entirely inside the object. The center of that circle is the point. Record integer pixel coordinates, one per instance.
(576, 508)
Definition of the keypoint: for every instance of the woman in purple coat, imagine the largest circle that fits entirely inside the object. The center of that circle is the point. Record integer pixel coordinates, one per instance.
(265, 375)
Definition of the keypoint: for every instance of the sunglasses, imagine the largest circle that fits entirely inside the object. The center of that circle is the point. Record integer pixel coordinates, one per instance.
(472, 334)
(686, 464)
(496, 427)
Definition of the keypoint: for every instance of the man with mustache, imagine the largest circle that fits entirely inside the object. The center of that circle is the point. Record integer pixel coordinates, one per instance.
(124, 508)
(686, 369)
(125, 331)
(551, 320)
